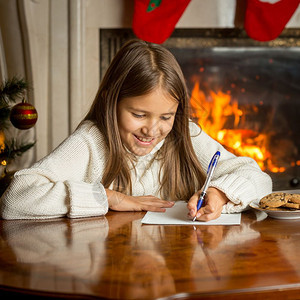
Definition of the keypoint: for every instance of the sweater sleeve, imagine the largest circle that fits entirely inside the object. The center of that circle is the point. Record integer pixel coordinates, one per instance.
(240, 178)
(64, 183)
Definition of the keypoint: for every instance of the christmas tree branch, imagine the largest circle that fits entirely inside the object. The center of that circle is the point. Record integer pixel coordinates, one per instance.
(12, 150)
(12, 89)
(4, 115)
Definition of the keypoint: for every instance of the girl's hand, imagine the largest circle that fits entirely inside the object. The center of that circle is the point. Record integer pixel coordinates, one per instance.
(212, 206)
(121, 202)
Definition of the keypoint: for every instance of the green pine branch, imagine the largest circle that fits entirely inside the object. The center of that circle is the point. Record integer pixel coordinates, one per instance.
(14, 149)
(11, 90)
(4, 115)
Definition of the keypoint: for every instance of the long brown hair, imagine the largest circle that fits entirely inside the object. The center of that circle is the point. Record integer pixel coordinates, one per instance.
(137, 69)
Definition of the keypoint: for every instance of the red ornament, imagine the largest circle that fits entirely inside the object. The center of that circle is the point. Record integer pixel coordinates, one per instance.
(23, 115)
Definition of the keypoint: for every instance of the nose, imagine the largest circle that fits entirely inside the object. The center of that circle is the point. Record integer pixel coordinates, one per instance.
(151, 127)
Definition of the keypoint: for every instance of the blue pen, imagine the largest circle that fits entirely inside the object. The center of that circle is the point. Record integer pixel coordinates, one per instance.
(211, 167)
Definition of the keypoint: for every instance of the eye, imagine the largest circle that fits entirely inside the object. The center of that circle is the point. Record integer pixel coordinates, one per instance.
(137, 115)
(164, 118)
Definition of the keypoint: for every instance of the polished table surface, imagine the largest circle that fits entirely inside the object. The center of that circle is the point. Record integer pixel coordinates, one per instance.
(116, 257)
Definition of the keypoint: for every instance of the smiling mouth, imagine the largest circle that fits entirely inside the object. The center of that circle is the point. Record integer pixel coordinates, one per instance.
(145, 140)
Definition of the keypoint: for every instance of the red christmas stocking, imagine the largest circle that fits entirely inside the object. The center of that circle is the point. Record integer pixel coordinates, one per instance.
(265, 19)
(155, 20)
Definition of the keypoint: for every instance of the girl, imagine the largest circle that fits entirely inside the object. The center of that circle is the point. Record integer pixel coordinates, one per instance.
(135, 150)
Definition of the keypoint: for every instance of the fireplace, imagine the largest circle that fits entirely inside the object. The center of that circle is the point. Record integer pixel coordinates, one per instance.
(244, 93)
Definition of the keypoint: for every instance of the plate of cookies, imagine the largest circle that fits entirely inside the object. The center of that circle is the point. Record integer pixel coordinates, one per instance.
(280, 204)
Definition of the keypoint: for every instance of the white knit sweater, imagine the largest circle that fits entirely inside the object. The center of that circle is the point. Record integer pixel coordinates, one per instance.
(67, 182)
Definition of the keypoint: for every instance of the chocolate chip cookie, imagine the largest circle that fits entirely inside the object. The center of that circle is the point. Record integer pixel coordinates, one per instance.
(280, 200)
(273, 200)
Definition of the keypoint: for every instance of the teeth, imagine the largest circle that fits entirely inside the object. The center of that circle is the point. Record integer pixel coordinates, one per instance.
(145, 139)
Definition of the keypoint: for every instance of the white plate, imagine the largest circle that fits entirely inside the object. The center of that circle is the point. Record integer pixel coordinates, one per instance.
(279, 214)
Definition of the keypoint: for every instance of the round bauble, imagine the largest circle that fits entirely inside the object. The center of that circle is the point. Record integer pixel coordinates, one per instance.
(23, 115)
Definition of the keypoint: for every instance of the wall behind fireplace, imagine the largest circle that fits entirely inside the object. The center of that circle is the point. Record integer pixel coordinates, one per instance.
(55, 45)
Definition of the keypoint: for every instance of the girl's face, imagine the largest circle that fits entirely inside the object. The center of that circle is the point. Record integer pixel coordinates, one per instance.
(146, 120)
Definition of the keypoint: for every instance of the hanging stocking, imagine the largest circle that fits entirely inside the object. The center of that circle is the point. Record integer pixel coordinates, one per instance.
(155, 20)
(265, 19)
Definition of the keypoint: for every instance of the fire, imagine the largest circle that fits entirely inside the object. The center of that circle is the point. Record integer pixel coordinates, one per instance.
(2, 139)
(2, 147)
(220, 116)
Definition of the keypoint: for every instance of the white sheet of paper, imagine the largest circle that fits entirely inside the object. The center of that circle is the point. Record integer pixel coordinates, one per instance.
(177, 215)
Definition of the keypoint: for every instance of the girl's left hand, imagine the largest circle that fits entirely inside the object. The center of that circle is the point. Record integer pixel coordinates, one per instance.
(121, 202)
(212, 206)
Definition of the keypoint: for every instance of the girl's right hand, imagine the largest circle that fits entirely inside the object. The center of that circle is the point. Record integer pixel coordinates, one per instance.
(121, 202)
(212, 209)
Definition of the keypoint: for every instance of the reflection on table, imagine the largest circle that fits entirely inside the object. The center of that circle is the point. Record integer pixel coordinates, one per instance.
(117, 257)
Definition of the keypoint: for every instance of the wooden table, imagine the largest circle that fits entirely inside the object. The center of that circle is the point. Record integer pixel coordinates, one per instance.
(115, 257)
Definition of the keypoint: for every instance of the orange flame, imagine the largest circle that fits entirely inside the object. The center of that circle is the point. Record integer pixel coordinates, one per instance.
(2, 147)
(2, 139)
(213, 112)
